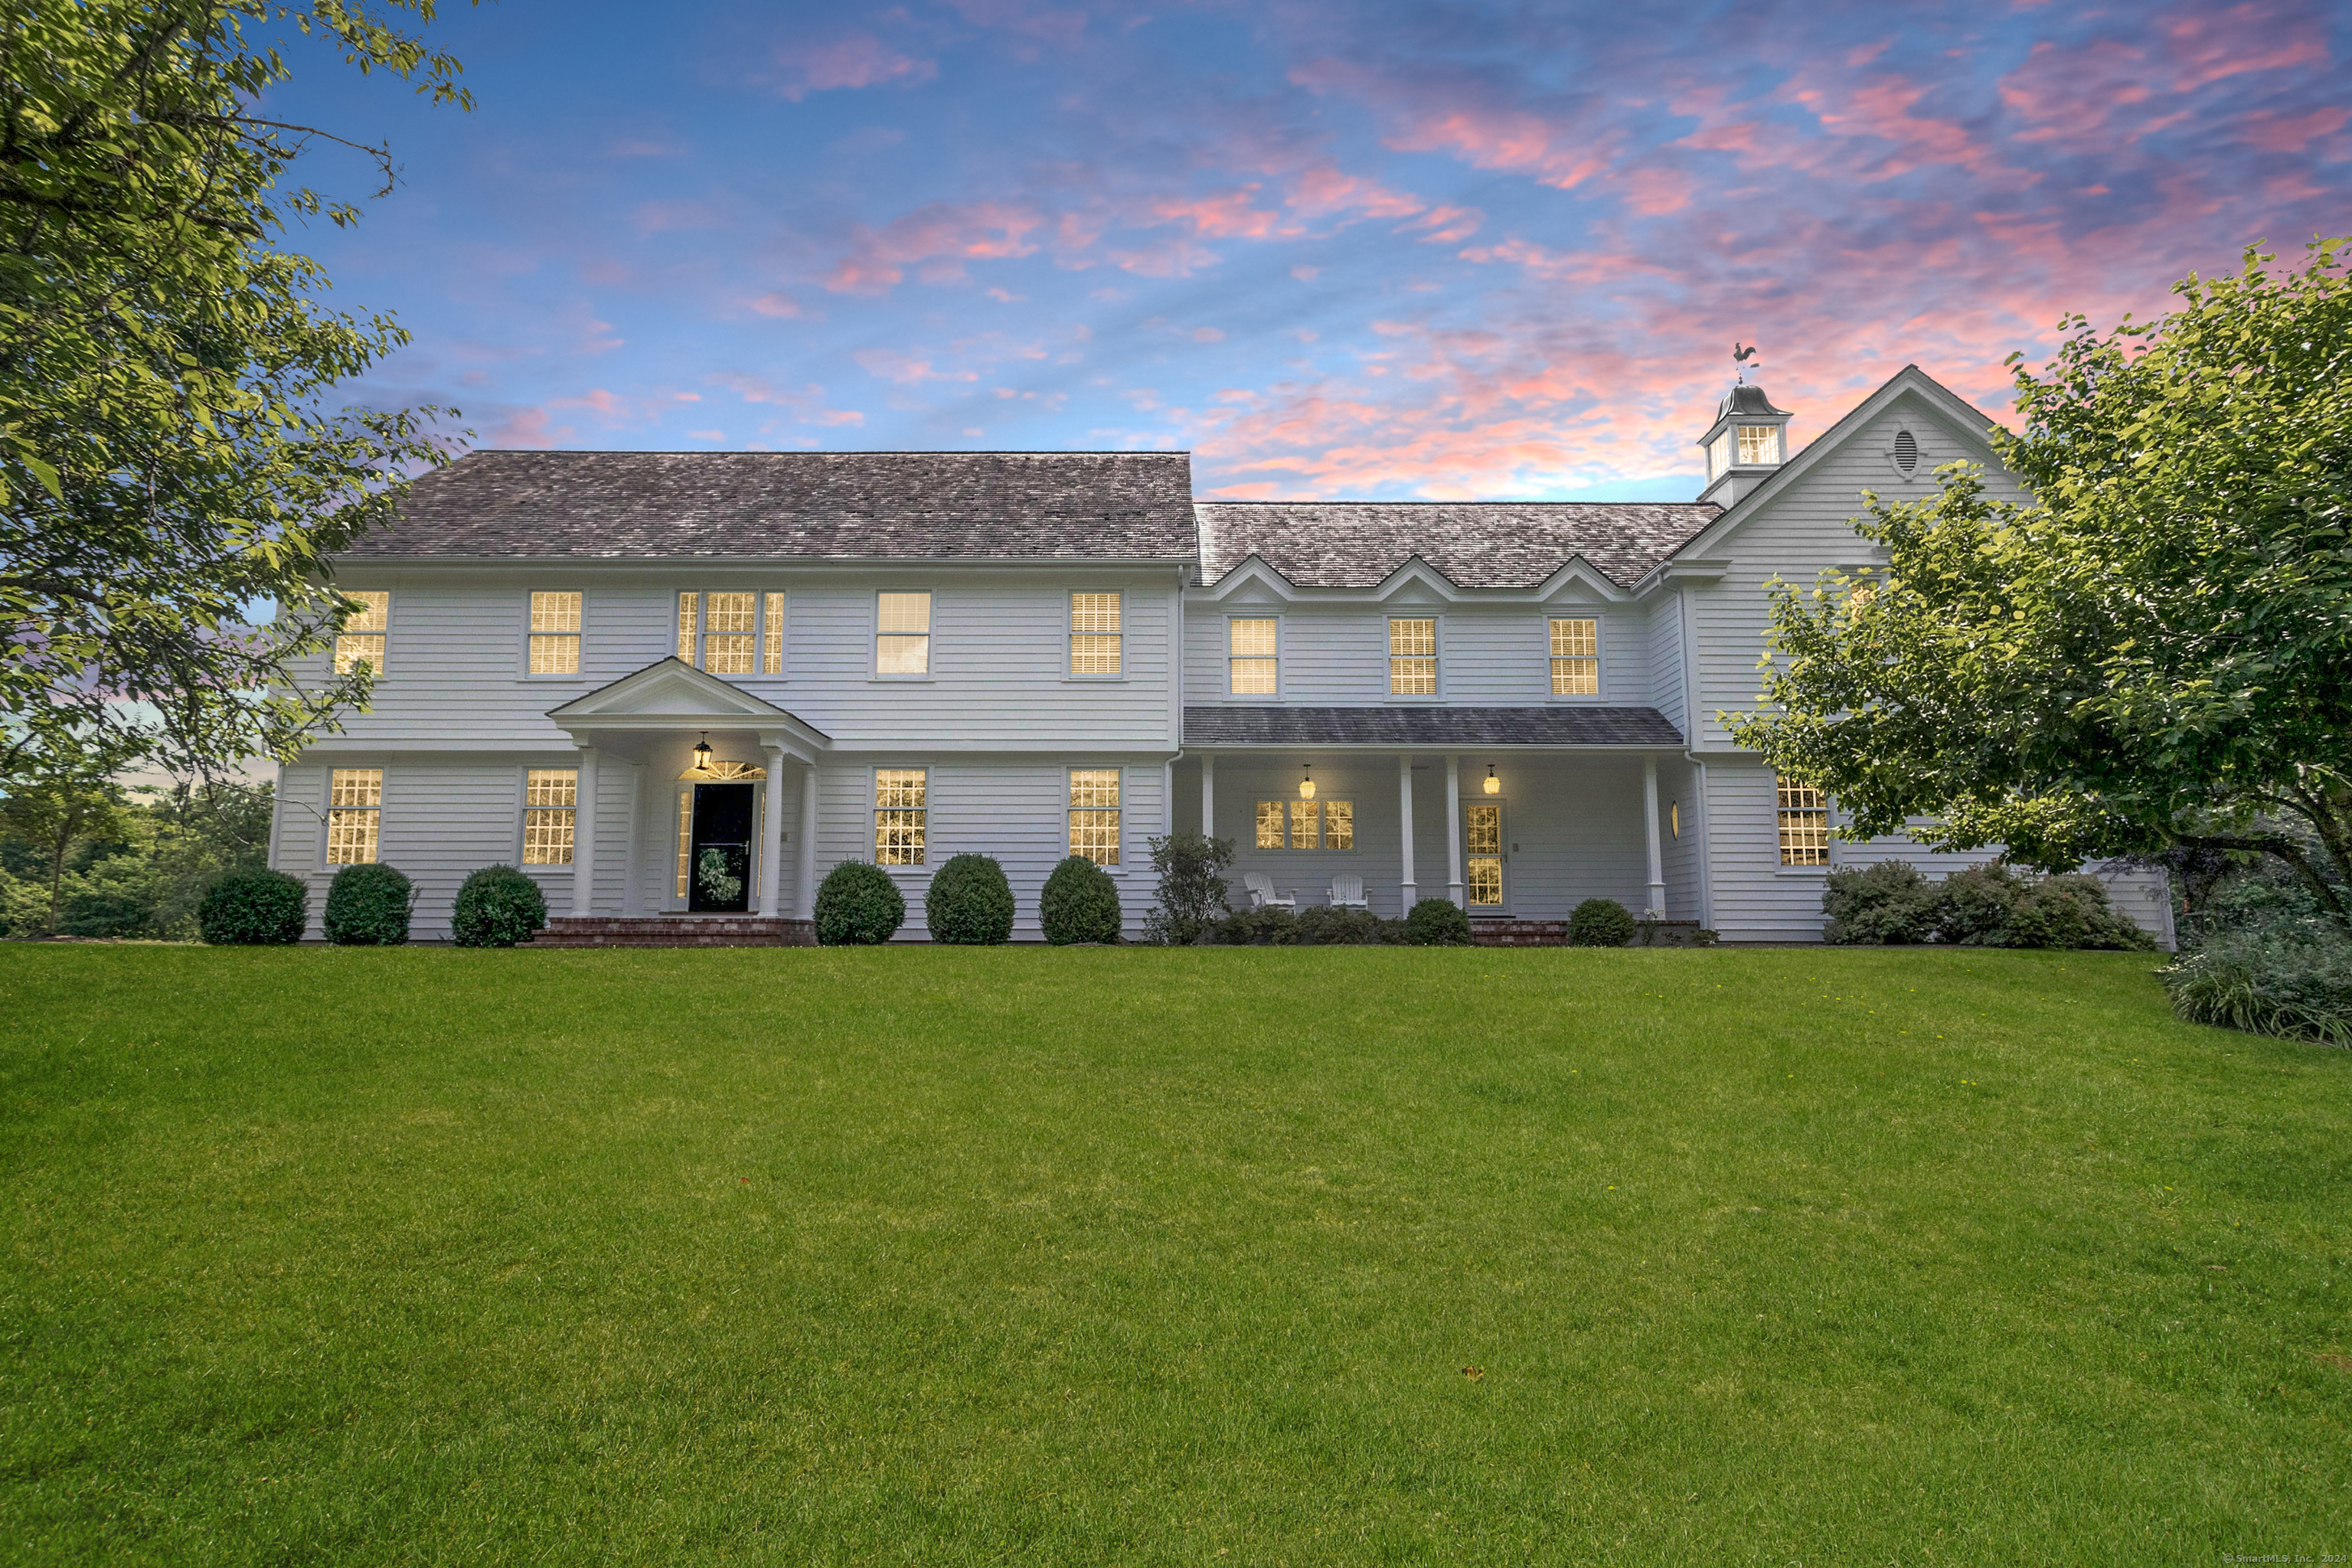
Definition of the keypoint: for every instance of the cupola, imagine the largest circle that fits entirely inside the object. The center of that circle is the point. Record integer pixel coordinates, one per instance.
(1749, 439)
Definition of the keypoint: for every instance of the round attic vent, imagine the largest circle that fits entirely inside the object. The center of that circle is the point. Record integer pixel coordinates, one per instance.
(1906, 451)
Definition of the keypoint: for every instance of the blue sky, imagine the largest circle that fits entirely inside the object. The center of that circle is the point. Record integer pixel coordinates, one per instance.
(1388, 250)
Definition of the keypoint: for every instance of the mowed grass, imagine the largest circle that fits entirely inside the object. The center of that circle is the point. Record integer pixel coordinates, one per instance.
(1212, 1257)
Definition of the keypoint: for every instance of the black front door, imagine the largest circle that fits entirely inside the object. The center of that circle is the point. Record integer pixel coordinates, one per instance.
(721, 864)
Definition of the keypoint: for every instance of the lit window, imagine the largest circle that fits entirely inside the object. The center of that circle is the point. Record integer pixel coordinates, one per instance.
(1760, 443)
(1412, 658)
(898, 813)
(685, 838)
(354, 801)
(1094, 815)
(1249, 657)
(727, 630)
(1312, 825)
(1804, 826)
(771, 640)
(1094, 634)
(549, 798)
(555, 634)
(1718, 456)
(689, 616)
(1482, 854)
(1859, 597)
(1575, 658)
(902, 639)
(362, 638)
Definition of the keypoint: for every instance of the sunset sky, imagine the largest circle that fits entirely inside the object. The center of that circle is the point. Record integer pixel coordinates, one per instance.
(1388, 250)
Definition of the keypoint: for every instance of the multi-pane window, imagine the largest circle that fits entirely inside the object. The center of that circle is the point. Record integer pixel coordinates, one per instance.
(1718, 456)
(1310, 825)
(1482, 854)
(690, 621)
(1804, 825)
(900, 811)
(902, 638)
(724, 632)
(554, 634)
(685, 838)
(1575, 658)
(1094, 634)
(1250, 658)
(1760, 443)
(354, 801)
(361, 639)
(1412, 658)
(1094, 815)
(771, 638)
(549, 797)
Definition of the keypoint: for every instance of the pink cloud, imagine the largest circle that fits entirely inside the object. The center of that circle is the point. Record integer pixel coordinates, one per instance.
(1229, 216)
(778, 305)
(2207, 47)
(528, 427)
(2291, 134)
(1324, 189)
(937, 240)
(657, 217)
(853, 61)
(889, 365)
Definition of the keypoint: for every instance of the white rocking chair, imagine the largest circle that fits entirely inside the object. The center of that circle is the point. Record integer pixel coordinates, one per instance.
(1262, 895)
(1348, 893)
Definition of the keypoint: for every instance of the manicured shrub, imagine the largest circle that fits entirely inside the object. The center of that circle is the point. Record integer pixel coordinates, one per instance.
(1271, 927)
(969, 903)
(367, 906)
(253, 906)
(2266, 983)
(1080, 903)
(1886, 905)
(1192, 893)
(2072, 912)
(1323, 926)
(1972, 906)
(858, 906)
(1437, 922)
(1599, 922)
(497, 906)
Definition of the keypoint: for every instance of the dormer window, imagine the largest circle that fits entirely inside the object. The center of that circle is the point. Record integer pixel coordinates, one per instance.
(1760, 443)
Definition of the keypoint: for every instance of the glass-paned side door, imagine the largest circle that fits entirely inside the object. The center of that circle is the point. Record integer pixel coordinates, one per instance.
(1482, 860)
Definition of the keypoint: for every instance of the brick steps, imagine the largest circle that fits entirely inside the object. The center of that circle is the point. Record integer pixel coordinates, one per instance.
(676, 931)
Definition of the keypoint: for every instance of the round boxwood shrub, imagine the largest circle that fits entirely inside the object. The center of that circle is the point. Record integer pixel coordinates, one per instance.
(367, 906)
(1437, 922)
(1080, 903)
(1599, 922)
(253, 906)
(970, 902)
(497, 906)
(858, 906)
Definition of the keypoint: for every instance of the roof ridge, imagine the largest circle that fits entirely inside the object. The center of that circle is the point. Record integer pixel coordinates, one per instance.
(1674, 503)
(819, 452)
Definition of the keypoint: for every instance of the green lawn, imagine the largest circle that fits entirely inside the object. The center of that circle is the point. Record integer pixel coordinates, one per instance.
(1216, 1256)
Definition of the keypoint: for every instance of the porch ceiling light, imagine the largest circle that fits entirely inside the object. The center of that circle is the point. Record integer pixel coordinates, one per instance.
(702, 754)
(1307, 783)
(1494, 785)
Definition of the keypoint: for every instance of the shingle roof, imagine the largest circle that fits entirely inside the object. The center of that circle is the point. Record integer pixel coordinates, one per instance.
(1222, 724)
(1477, 545)
(916, 505)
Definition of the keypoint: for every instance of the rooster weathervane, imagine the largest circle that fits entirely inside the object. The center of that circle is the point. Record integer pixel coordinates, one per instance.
(1740, 354)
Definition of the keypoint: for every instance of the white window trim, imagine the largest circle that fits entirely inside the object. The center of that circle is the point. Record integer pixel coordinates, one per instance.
(1323, 832)
(391, 611)
(1281, 657)
(873, 791)
(1125, 859)
(1600, 655)
(1437, 643)
(930, 664)
(702, 631)
(580, 637)
(327, 807)
(1070, 633)
(523, 809)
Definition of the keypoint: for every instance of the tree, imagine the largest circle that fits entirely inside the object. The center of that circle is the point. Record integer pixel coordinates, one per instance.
(2153, 653)
(167, 457)
(59, 812)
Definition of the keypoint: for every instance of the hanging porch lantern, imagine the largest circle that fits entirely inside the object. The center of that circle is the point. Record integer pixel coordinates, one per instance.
(1307, 783)
(702, 754)
(1494, 785)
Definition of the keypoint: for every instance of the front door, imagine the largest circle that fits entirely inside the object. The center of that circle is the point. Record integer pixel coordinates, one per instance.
(720, 860)
(1482, 861)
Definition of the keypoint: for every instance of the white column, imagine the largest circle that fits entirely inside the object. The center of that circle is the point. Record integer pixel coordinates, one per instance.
(1650, 833)
(1454, 830)
(804, 863)
(1405, 810)
(1207, 795)
(583, 834)
(772, 836)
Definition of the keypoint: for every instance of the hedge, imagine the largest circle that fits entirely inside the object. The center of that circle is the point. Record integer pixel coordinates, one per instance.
(1437, 922)
(858, 906)
(367, 906)
(254, 907)
(1599, 922)
(969, 903)
(497, 906)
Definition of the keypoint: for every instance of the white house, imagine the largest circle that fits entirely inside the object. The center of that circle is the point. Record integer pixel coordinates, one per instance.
(680, 686)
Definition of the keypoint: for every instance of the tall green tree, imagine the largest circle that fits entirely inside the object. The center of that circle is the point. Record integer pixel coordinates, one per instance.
(170, 456)
(2155, 650)
(68, 805)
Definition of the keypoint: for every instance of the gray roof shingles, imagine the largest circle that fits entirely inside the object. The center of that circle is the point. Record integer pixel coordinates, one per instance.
(1476, 544)
(1234, 725)
(774, 505)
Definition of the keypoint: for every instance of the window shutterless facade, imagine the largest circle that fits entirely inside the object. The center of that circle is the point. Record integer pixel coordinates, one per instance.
(1575, 657)
(1311, 825)
(1096, 642)
(355, 804)
(363, 638)
(1412, 658)
(1253, 657)
(1804, 814)
(900, 812)
(902, 636)
(727, 632)
(1760, 443)
(555, 634)
(549, 798)
(1094, 815)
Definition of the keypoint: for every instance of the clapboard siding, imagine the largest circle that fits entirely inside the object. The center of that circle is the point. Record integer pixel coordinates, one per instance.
(1679, 851)
(1665, 654)
(1756, 899)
